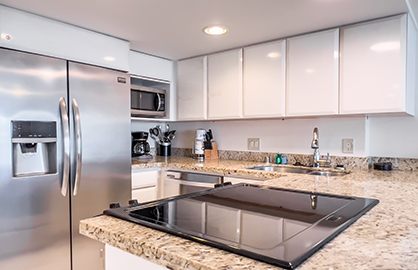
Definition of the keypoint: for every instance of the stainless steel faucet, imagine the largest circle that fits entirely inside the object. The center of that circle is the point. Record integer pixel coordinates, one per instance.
(317, 161)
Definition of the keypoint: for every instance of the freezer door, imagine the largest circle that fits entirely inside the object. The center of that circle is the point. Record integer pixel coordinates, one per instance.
(101, 137)
(34, 214)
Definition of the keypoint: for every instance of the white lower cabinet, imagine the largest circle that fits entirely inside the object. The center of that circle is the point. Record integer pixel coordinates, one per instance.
(145, 184)
(117, 259)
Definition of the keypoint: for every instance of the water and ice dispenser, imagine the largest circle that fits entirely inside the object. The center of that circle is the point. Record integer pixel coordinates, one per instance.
(34, 148)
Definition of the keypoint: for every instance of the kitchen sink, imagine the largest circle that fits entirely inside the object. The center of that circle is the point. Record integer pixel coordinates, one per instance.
(327, 173)
(295, 170)
(280, 169)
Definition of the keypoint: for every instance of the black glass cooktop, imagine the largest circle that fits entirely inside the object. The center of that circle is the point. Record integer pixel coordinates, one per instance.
(277, 226)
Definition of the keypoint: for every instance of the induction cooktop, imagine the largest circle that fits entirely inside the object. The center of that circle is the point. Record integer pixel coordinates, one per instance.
(278, 226)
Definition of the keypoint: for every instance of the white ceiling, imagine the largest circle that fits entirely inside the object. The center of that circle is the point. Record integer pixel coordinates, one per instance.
(173, 28)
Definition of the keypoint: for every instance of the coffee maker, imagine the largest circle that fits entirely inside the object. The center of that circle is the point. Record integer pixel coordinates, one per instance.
(140, 146)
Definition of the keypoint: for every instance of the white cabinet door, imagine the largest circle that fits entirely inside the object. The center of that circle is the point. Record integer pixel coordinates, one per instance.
(145, 184)
(225, 85)
(192, 89)
(32, 33)
(374, 62)
(312, 78)
(117, 259)
(264, 80)
(150, 66)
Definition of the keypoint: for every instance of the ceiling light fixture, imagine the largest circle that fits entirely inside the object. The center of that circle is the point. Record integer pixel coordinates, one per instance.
(215, 30)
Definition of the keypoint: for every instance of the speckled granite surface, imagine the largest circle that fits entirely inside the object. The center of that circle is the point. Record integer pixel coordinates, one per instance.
(256, 156)
(385, 238)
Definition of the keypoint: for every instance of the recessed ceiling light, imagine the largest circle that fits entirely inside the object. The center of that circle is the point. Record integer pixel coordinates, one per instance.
(215, 30)
(109, 58)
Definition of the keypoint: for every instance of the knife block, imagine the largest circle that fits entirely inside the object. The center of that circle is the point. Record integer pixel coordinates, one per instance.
(212, 154)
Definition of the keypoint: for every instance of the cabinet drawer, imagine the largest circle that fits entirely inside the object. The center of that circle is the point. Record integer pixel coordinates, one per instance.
(144, 178)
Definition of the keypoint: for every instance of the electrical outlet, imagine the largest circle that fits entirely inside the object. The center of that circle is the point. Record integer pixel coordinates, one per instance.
(348, 146)
(253, 143)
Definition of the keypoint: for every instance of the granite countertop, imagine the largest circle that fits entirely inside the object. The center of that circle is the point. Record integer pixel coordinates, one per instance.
(386, 237)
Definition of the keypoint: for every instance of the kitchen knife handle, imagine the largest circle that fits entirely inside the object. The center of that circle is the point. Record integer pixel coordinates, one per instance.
(78, 146)
(65, 146)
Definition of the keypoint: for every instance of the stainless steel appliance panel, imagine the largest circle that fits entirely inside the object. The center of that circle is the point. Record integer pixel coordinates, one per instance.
(35, 225)
(101, 104)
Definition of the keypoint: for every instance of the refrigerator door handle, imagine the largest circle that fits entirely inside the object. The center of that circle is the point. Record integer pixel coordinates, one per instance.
(66, 146)
(78, 146)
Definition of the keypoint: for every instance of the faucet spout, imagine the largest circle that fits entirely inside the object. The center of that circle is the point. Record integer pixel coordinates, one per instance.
(315, 140)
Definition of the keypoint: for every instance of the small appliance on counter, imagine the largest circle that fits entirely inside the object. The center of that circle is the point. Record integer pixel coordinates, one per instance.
(140, 147)
(163, 139)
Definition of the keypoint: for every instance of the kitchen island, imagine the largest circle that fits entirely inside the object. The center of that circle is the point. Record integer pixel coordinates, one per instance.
(386, 237)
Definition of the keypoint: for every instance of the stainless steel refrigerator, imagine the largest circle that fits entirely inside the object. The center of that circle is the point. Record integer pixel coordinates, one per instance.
(64, 156)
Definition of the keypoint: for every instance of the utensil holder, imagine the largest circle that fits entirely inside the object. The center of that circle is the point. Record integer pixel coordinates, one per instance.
(164, 149)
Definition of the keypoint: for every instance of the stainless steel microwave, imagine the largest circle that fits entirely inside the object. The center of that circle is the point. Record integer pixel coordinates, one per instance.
(147, 101)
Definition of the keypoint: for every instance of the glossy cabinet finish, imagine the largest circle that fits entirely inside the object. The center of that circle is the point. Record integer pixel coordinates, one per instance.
(117, 259)
(312, 74)
(32, 33)
(264, 80)
(374, 64)
(192, 89)
(145, 65)
(225, 85)
(145, 185)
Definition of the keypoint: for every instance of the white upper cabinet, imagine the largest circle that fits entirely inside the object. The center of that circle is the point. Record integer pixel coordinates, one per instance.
(32, 33)
(225, 85)
(145, 65)
(377, 67)
(264, 80)
(192, 89)
(312, 74)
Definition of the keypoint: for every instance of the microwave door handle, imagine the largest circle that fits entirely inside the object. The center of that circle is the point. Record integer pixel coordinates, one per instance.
(159, 102)
(78, 146)
(66, 147)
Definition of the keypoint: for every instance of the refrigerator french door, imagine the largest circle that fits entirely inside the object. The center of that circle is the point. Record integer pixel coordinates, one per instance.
(64, 156)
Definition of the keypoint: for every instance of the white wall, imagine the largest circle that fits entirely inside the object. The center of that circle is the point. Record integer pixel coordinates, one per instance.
(286, 136)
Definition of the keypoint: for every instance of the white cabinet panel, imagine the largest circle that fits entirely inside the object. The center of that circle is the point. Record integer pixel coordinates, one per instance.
(117, 259)
(264, 80)
(225, 85)
(374, 60)
(192, 89)
(312, 78)
(150, 66)
(145, 185)
(32, 33)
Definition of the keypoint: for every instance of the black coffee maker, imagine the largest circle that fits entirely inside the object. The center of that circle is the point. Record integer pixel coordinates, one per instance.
(140, 146)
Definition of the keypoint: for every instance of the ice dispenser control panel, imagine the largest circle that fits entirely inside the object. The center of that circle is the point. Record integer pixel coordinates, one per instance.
(34, 129)
(34, 148)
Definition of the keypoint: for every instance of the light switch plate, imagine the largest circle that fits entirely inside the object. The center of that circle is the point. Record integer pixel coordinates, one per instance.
(348, 146)
(253, 143)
